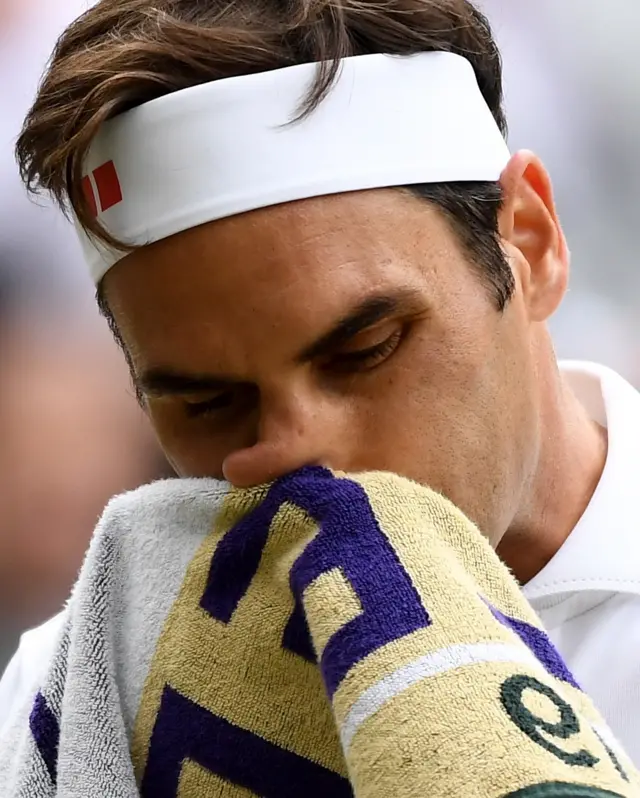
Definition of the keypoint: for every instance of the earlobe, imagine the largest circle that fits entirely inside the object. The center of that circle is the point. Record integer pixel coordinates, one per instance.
(531, 232)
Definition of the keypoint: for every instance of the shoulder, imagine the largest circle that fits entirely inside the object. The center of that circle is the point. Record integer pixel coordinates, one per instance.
(28, 665)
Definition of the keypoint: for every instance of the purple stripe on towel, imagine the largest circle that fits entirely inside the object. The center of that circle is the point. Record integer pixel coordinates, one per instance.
(236, 560)
(351, 540)
(186, 731)
(46, 733)
(539, 644)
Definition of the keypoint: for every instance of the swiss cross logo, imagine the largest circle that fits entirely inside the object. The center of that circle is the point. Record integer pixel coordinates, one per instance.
(107, 186)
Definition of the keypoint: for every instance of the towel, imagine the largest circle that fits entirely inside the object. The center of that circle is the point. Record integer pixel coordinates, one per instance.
(328, 635)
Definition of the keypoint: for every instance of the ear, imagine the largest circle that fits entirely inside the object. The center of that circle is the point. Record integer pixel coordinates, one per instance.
(532, 235)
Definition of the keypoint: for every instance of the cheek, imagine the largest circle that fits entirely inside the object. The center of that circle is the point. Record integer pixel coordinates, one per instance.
(419, 402)
(452, 419)
(453, 372)
(190, 449)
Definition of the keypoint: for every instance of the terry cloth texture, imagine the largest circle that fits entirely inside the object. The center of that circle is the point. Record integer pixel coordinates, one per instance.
(325, 636)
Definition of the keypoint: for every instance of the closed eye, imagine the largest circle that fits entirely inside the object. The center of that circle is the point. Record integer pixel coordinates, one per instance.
(214, 404)
(364, 359)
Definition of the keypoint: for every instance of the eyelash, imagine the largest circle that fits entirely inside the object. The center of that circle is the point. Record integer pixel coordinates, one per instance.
(366, 359)
(360, 361)
(218, 403)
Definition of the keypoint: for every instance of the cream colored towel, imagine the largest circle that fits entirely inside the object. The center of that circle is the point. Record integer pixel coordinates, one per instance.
(324, 636)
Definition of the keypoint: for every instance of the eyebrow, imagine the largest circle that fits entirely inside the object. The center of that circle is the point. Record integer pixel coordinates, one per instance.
(158, 382)
(161, 381)
(367, 313)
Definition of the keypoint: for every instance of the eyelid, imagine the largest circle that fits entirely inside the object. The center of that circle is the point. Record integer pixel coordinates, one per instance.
(368, 351)
(237, 398)
(367, 358)
(372, 337)
(196, 409)
(199, 399)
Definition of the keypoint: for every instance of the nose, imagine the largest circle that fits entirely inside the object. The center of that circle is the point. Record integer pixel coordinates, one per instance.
(291, 434)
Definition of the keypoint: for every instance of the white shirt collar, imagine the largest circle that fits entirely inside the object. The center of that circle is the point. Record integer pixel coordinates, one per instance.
(602, 554)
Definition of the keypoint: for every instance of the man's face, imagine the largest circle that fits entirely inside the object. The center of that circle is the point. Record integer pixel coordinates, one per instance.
(347, 331)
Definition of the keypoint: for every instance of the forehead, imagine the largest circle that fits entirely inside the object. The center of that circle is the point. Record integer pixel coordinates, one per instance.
(298, 265)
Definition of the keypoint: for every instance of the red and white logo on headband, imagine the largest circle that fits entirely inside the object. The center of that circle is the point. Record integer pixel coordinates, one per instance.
(102, 188)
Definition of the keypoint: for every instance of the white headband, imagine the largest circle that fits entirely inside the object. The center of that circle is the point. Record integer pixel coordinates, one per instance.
(226, 147)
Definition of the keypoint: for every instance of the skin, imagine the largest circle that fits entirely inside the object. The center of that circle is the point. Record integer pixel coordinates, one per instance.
(232, 319)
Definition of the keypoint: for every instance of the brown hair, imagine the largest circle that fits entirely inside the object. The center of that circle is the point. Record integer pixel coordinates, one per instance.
(122, 53)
